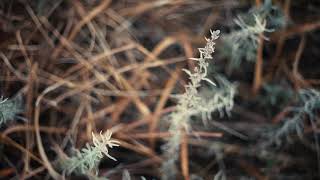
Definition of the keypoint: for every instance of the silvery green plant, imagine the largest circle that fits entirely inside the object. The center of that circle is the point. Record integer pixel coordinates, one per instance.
(9, 108)
(272, 13)
(307, 105)
(218, 98)
(88, 158)
(242, 43)
(307, 108)
(191, 104)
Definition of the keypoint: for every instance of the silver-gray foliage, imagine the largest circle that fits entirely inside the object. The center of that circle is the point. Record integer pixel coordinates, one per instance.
(308, 103)
(193, 103)
(88, 158)
(9, 108)
(242, 43)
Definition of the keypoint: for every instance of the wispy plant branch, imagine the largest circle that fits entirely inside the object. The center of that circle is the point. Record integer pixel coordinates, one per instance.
(308, 103)
(192, 103)
(242, 43)
(9, 108)
(88, 158)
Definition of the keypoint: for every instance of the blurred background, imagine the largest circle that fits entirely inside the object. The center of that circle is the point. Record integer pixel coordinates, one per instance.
(72, 67)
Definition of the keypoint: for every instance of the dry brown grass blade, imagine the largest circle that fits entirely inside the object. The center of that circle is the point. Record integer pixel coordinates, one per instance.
(143, 108)
(44, 129)
(34, 172)
(91, 125)
(95, 59)
(297, 58)
(97, 10)
(275, 61)
(145, 135)
(145, 120)
(258, 67)
(153, 64)
(43, 155)
(39, 26)
(23, 50)
(295, 30)
(185, 157)
(152, 56)
(121, 105)
(9, 141)
(11, 68)
(32, 88)
(143, 7)
(188, 49)
(161, 46)
(163, 135)
(67, 44)
(299, 79)
(141, 149)
(257, 82)
(138, 80)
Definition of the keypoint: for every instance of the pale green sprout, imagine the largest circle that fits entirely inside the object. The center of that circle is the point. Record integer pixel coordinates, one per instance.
(88, 158)
(104, 141)
(9, 108)
(192, 103)
(308, 104)
(241, 44)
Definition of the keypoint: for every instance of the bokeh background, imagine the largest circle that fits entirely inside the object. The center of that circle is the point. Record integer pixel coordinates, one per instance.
(73, 67)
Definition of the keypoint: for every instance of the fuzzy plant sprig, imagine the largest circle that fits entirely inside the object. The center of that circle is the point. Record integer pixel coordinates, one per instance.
(242, 43)
(307, 106)
(190, 104)
(218, 98)
(9, 108)
(87, 159)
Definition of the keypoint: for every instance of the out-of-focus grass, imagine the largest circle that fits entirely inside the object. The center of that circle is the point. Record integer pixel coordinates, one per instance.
(88, 66)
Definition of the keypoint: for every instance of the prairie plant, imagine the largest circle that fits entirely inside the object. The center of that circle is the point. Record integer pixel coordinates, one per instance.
(272, 13)
(307, 107)
(218, 98)
(242, 43)
(9, 108)
(192, 103)
(308, 103)
(87, 159)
